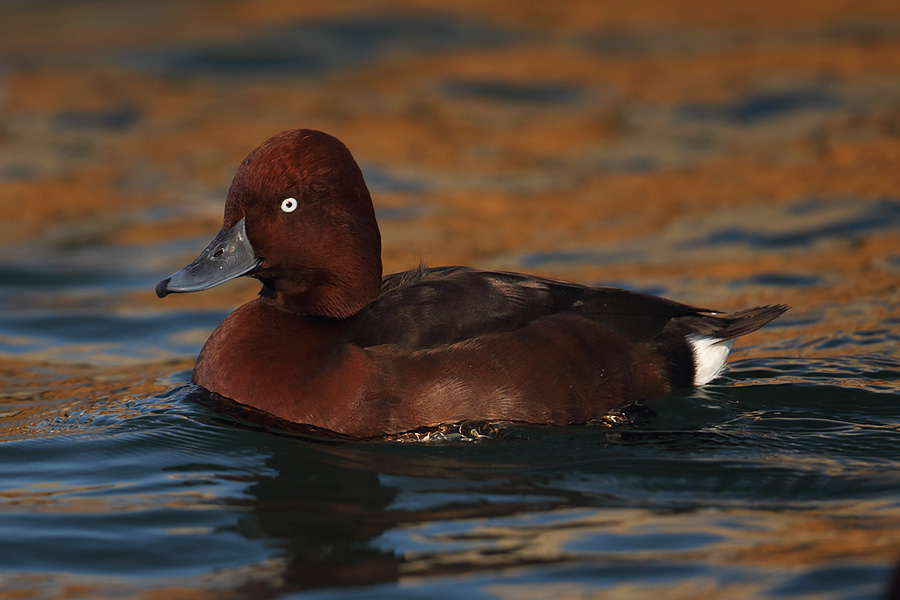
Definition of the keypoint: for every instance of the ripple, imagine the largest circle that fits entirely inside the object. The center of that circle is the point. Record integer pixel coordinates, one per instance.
(764, 106)
(546, 93)
(314, 48)
(869, 217)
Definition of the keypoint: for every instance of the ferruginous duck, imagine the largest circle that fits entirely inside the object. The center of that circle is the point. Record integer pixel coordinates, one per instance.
(331, 343)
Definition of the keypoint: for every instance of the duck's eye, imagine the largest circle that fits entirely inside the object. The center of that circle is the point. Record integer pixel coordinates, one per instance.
(289, 204)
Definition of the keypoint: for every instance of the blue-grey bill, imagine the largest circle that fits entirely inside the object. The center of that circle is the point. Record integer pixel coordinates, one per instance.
(227, 257)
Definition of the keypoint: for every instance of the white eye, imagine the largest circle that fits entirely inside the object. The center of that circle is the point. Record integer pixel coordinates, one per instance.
(289, 204)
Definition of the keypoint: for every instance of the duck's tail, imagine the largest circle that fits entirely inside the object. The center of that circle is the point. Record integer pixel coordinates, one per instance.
(697, 346)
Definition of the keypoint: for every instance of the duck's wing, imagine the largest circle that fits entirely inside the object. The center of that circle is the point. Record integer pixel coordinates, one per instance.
(426, 308)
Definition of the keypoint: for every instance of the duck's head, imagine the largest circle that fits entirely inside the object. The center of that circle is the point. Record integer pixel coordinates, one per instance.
(299, 218)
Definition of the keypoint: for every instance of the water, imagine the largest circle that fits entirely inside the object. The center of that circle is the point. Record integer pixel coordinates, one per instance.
(719, 159)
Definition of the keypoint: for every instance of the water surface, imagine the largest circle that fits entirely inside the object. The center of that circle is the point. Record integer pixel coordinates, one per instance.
(721, 159)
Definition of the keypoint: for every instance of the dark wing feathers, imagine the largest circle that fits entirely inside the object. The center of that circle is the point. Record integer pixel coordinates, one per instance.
(426, 308)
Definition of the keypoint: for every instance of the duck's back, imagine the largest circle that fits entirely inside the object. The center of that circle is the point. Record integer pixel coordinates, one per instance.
(427, 308)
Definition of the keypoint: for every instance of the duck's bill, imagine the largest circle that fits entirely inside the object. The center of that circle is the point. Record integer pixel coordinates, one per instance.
(227, 257)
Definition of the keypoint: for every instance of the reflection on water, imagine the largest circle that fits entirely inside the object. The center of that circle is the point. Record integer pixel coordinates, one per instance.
(718, 156)
(752, 491)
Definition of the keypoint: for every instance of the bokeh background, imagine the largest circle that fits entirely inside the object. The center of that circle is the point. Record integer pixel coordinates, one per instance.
(721, 154)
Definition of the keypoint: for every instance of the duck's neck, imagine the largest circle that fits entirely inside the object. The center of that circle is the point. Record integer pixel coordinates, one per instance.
(333, 295)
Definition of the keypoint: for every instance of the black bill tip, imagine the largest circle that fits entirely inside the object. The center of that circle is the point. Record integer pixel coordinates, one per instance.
(162, 289)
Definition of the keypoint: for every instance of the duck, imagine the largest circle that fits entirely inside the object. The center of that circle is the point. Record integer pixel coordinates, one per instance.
(333, 344)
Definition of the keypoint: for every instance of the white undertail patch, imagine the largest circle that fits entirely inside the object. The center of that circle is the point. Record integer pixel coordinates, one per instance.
(709, 356)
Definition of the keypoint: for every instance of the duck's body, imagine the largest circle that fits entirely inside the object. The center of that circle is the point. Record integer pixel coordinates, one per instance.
(330, 344)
